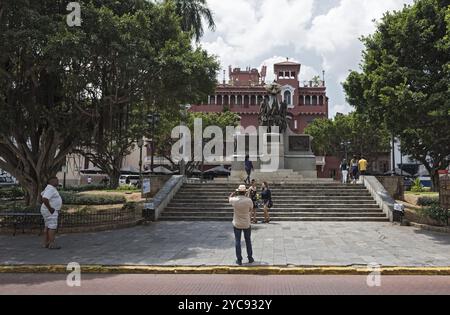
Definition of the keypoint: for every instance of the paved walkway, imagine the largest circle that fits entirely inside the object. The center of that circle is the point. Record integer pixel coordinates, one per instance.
(199, 285)
(212, 243)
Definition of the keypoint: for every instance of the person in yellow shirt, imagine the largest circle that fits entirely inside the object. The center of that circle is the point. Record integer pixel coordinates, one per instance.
(362, 166)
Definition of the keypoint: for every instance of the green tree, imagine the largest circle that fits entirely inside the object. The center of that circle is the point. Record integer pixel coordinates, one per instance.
(192, 14)
(360, 135)
(42, 110)
(64, 88)
(141, 62)
(170, 120)
(405, 81)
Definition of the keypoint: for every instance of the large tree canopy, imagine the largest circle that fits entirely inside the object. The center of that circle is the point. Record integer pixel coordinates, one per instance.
(65, 87)
(405, 81)
(353, 134)
(170, 120)
(142, 62)
(41, 108)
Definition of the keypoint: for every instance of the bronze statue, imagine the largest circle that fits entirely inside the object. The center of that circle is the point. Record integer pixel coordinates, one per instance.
(272, 112)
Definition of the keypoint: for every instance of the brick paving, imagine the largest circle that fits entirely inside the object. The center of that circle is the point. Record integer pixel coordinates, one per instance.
(197, 285)
(212, 243)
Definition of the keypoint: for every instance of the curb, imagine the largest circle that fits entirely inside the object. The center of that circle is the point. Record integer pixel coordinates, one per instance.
(224, 270)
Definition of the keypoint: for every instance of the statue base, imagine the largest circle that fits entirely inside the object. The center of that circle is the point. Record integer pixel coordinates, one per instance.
(285, 157)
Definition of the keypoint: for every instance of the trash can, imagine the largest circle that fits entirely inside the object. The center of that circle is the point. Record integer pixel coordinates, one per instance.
(399, 212)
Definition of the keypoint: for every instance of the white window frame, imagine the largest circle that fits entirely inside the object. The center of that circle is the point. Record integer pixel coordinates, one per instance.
(292, 91)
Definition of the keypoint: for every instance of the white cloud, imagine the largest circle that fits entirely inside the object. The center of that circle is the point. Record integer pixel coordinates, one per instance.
(249, 31)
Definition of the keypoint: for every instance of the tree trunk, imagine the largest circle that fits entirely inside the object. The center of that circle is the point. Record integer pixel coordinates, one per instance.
(436, 182)
(114, 176)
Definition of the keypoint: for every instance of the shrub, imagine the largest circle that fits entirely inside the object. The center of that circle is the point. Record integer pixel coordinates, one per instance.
(11, 193)
(84, 188)
(417, 186)
(437, 213)
(127, 188)
(70, 198)
(428, 201)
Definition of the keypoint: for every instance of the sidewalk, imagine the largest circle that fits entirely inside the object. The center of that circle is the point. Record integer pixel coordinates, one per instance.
(212, 244)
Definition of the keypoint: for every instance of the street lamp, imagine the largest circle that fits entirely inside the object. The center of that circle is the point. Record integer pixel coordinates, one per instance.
(346, 145)
(153, 120)
(184, 116)
(140, 144)
(393, 155)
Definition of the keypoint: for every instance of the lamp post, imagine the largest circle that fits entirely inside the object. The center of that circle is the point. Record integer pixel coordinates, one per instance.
(346, 145)
(184, 116)
(393, 155)
(153, 120)
(140, 144)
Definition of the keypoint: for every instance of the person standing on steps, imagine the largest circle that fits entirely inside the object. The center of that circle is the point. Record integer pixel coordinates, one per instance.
(248, 169)
(266, 196)
(354, 169)
(253, 195)
(241, 222)
(362, 166)
(344, 171)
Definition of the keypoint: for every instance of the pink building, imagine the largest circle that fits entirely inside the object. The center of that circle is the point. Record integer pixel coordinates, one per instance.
(244, 92)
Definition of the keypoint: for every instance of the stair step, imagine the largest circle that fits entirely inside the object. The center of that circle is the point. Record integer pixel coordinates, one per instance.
(277, 206)
(294, 200)
(276, 209)
(286, 219)
(277, 214)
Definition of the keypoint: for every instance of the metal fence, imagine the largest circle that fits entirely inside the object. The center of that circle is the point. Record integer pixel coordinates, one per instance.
(14, 222)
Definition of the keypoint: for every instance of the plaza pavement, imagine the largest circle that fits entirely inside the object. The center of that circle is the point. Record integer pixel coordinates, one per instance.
(212, 244)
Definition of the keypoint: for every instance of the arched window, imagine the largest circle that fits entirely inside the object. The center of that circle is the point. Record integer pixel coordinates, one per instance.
(314, 100)
(288, 98)
(321, 100)
(239, 100)
(308, 100)
(246, 101)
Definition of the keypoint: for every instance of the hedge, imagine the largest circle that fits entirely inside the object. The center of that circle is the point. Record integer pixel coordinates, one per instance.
(71, 198)
(11, 193)
(84, 188)
(428, 201)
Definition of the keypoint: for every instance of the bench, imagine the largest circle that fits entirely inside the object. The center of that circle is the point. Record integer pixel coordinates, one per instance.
(21, 221)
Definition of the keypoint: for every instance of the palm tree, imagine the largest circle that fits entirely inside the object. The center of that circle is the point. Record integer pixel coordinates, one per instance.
(192, 13)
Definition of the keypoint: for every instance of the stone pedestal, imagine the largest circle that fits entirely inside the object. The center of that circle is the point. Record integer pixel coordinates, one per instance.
(281, 156)
(299, 156)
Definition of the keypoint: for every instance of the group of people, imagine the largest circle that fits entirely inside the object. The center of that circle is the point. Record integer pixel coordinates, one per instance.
(246, 203)
(353, 170)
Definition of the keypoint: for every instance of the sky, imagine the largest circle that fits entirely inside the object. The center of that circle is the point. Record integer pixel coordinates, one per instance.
(319, 34)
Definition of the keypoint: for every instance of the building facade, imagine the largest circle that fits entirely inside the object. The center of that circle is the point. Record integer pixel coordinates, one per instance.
(244, 92)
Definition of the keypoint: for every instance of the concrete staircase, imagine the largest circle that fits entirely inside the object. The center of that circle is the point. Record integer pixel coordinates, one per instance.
(302, 201)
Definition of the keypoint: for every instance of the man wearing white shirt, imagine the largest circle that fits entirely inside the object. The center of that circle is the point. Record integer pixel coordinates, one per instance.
(51, 205)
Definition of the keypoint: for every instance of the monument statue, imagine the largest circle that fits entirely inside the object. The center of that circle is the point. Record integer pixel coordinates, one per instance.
(272, 112)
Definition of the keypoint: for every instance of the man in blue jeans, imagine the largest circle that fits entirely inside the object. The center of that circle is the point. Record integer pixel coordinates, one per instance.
(241, 221)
